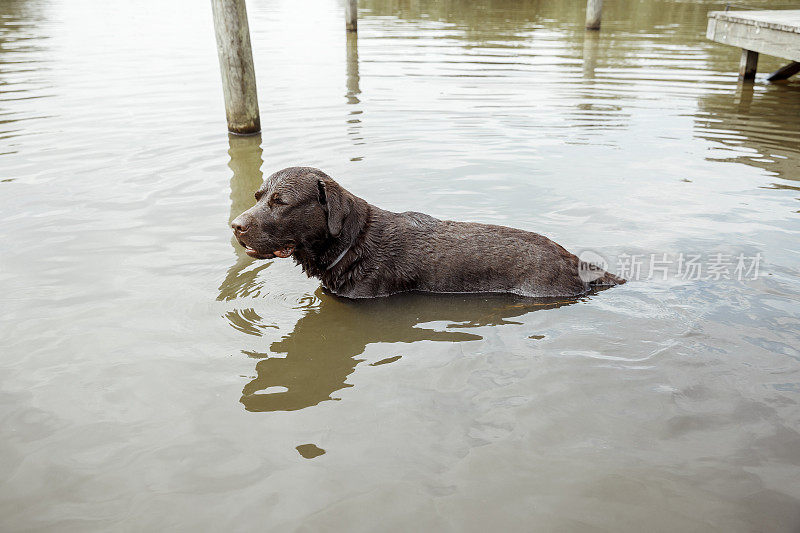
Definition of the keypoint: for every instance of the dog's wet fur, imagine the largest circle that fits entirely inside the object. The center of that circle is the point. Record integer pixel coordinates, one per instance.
(359, 250)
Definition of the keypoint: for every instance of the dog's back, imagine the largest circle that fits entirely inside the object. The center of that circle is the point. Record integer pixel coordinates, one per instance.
(414, 251)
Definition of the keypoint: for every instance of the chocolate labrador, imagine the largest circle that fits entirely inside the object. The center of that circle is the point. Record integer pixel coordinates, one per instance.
(359, 250)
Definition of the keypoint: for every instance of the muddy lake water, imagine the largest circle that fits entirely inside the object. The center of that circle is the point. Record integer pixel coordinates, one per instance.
(155, 378)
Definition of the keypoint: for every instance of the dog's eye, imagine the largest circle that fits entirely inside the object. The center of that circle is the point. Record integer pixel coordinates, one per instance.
(258, 195)
(276, 199)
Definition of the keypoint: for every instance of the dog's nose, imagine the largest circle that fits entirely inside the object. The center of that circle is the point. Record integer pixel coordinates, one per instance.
(239, 226)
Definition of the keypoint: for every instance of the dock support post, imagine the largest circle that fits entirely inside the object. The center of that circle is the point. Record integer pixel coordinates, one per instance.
(236, 66)
(785, 72)
(594, 10)
(747, 65)
(351, 15)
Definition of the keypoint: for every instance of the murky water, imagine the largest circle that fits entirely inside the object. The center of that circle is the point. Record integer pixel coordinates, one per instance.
(156, 378)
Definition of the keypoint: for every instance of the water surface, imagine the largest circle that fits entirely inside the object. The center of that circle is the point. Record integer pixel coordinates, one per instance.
(154, 377)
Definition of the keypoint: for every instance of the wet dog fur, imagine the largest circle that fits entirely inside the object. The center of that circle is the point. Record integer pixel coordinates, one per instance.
(359, 250)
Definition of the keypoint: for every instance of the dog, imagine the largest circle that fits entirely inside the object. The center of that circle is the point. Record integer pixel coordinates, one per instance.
(359, 250)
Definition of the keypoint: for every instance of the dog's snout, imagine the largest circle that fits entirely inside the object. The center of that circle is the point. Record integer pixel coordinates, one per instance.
(240, 225)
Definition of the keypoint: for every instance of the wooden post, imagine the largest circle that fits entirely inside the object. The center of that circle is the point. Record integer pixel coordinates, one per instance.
(594, 9)
(236, 66)
(785, 72)
(747, 65)
(351, 15)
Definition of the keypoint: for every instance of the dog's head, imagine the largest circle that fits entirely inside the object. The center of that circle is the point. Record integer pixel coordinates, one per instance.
(297, 208)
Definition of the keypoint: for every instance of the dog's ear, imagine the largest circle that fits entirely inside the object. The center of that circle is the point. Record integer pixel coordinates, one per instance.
(336, 204)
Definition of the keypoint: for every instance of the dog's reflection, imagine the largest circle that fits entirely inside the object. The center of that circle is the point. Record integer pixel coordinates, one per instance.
(324, 346)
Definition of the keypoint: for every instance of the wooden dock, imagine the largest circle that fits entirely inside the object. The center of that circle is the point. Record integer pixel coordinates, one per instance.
(772, 32)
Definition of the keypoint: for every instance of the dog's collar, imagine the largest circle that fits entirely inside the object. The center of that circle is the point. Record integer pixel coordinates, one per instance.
(341, 255)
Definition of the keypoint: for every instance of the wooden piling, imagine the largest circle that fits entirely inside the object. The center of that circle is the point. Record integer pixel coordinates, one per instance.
(785, 72)
(351, 15)
(236, 66)
(747, 65)
(594, 10)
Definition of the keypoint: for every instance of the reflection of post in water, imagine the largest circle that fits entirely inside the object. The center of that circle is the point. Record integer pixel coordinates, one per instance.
(591, 43)
(245, 162)
(353, 78)
(353, 87)
(744, 97)
(758, 128)
(322, 349)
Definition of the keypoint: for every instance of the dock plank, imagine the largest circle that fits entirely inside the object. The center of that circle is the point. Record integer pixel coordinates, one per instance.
(775, 19)
(771, 32)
